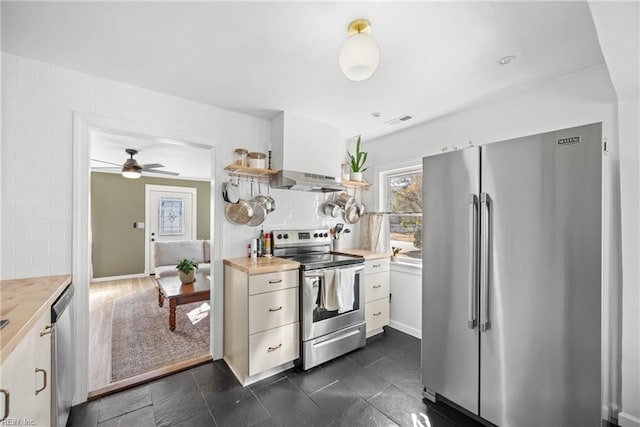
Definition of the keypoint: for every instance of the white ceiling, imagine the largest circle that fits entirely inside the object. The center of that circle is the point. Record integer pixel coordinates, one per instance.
(262, 57)
(189, 162)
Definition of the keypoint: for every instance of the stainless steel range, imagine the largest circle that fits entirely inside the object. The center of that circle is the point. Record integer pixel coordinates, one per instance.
(327, 331)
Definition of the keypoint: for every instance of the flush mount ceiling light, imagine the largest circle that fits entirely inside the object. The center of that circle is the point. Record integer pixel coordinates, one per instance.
(131, 169)
(359, 54)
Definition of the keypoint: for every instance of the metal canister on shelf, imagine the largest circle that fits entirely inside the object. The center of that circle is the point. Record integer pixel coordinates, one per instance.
(240, 156)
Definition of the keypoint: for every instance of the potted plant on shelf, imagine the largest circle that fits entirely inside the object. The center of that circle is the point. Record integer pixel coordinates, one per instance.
(187, 270)
(357, 162)
(394, 252)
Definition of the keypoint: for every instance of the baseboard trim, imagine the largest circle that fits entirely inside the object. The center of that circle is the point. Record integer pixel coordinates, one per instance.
(406, 329)
(628, 420)
(126, 276)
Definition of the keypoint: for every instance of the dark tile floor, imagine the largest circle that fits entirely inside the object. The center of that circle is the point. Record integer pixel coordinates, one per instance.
(378, 385)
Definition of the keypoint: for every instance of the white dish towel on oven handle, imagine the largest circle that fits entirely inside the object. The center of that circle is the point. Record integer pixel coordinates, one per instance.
(344, 284)
(329, 291)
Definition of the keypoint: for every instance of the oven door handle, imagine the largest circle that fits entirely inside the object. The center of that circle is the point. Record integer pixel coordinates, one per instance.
(309, 275)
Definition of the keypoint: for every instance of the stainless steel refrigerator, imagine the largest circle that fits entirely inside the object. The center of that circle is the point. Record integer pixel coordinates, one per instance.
(511, 321)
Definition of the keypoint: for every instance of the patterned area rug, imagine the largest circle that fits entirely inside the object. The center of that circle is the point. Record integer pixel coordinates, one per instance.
(142, 341)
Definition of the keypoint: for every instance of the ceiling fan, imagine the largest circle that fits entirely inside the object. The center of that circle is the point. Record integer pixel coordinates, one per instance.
(132, 169)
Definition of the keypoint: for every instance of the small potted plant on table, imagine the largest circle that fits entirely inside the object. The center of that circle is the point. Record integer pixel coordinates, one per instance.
(394, 252)
(187, 270)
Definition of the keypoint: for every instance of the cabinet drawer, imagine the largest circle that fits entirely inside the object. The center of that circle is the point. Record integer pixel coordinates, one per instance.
(272, 309)
(376, 286)
(377, 314)
(274, 347)
(376, 265)
(260, 283)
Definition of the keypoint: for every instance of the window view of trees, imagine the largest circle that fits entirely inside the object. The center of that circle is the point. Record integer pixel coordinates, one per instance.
(405, 201)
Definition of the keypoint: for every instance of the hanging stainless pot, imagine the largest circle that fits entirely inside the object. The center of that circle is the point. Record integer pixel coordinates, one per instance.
(344, 201)
(239, 213)
(351, 215)
(331, 209)
(230, 192)
(259, 212)
(361, 207)
(263, 200)
(271, 199)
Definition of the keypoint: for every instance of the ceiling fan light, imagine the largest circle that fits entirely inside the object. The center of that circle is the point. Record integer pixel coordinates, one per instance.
(359, 56)
(131, 172)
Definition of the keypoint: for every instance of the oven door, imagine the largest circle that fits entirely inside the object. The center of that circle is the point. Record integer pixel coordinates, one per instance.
(318, 321)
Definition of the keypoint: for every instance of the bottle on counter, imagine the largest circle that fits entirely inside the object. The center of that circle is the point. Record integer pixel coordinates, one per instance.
(254, 248)
(261, 245)
(249, 250)
(267, 244)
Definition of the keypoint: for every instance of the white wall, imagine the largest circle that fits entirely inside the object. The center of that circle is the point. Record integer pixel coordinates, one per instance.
(629, 117)
(579, 98)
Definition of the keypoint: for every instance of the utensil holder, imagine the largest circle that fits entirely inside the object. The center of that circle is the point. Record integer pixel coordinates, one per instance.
(337, 245)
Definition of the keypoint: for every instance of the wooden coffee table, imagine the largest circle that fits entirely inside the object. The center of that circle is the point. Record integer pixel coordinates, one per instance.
(178, 293)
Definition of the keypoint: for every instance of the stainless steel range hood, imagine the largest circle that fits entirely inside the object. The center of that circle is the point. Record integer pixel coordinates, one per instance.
(303, 181)
(307, 153)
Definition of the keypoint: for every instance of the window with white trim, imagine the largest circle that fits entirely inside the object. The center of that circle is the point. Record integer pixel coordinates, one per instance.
(402, 198)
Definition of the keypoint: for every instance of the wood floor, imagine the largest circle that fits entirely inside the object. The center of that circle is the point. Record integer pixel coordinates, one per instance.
(101, 298)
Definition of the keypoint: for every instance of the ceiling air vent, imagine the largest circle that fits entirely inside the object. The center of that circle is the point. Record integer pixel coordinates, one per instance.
(401, 119)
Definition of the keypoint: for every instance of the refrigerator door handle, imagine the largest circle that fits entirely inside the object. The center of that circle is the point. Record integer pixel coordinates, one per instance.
(473, 256)
(484, 263)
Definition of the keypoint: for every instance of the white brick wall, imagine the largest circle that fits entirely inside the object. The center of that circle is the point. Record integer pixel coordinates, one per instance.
(38, 101)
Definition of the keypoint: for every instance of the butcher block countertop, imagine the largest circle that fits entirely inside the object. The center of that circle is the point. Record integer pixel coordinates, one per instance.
(366, 253)
(23, 302)
(261, 265)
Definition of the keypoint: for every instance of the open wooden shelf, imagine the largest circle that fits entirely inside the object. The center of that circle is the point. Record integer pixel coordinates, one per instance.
(245, 170)
(355, 184)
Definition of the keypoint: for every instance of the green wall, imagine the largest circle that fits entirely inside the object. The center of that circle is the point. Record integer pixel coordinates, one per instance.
(116, 203)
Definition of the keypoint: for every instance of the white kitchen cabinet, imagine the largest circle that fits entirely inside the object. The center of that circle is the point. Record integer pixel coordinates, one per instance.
(25, 378)
(261, 328)
(376, 284)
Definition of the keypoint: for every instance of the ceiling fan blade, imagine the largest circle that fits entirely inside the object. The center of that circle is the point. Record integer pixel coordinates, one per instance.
(162, 172)
(152, 166)
(109, 163)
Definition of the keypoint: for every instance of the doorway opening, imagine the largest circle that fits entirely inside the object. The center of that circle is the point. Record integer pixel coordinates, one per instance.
(129, 337)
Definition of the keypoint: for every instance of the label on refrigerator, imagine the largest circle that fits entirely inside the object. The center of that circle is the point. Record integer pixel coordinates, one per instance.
(572, 140)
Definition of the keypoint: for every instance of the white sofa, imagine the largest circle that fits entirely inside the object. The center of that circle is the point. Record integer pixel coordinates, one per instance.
(166, 255)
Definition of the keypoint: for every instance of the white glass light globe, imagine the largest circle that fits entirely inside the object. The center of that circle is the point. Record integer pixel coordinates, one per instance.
(359, 57)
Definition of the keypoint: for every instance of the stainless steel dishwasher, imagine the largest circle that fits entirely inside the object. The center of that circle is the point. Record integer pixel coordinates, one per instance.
(62, 358)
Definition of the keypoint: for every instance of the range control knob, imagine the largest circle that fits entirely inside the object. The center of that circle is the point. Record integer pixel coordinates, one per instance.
(326, 234)
(279, 236)
(315, 235)
(286, 236)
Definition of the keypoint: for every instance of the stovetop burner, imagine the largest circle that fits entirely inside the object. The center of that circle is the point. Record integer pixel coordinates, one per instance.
(311, 248)
(324, 260)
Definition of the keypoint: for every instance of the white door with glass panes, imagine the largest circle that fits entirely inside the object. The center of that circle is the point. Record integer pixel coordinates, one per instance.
(170, 215)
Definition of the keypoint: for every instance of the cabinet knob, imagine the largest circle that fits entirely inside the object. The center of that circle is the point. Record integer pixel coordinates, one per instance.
(5, 414)
(377, 286)
(275, 309)
(377, 314)
(47, 330)
(44, 373)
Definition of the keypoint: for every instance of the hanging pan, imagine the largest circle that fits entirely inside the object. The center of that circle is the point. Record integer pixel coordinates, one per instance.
(259, 212)
(239, 213)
